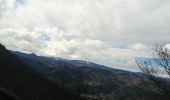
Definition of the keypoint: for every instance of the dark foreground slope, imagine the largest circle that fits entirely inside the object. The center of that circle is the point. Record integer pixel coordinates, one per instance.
(20, 81)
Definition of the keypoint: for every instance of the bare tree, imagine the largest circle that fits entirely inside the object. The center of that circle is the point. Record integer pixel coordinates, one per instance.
(159, 65)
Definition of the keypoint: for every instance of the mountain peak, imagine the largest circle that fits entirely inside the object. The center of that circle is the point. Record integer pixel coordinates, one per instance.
(33, 54)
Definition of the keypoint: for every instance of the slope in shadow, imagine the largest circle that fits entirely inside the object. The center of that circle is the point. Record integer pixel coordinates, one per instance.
(24, 82)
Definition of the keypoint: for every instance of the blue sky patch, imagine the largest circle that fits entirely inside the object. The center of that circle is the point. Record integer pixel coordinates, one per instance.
(44, 37)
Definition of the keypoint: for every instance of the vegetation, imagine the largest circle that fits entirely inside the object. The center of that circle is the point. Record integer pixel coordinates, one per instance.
(156, 68)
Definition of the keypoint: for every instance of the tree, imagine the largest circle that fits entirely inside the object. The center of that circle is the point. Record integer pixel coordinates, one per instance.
(157, 66)
(79, 87)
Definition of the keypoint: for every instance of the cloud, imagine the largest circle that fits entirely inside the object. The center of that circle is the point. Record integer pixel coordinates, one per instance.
(138, 46)
(105, 20)
(110, 32)
(167, 46)
(85, 49)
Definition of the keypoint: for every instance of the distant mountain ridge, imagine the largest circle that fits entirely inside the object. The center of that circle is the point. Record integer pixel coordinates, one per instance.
(61, 61)
(65, 61)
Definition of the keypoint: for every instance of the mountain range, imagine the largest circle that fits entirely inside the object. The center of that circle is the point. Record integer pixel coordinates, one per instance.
(91, 79)
(31, 77)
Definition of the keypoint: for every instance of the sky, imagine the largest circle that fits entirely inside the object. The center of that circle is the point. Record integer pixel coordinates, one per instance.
(108, 32)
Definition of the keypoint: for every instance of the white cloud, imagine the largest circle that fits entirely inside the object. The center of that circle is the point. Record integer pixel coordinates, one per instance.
(138, 46)
(167, 46)
(110, 32)
(106, 20)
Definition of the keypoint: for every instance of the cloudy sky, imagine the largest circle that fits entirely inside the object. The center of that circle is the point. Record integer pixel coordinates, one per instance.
(109, 32)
